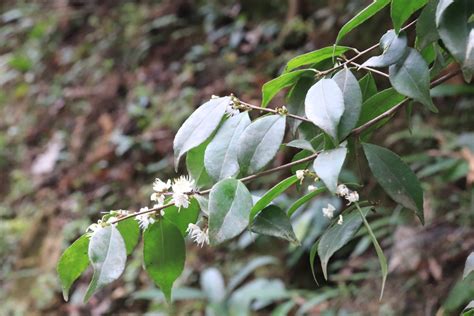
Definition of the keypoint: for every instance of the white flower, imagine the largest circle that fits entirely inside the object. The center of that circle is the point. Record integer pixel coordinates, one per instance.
(181, 200)
(329, 211)
(144, 220)
(352, 197)
(300, 175)
(160, 186)
(312, 188)
(342, 190)
(183, 185)
(158, 198)
(340, 220)
(198, 235)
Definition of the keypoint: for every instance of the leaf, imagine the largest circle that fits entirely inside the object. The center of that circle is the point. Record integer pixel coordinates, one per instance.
(247, 269)
(328, 165)
(199, 126)
(229, 209)
(378, 104)
(273, 221)
(107, 254)
(295, 100)
(272, 87)
(164, 254)
(182, 218)
(324, 106)
(220, 158)
(315, 56)
(378, 249)
(271, 194)
(401, 11)
(195, 166)
(367, 86)
(395, 177)
(312, 256)
(212, 283)
(302, 200)
(73, 262)
(469, 267)
(130, 232)
(411, 77)
(394, 47)
(352, 101)
(426, 32)
(301, 144)
(337, 236)
(361, 17)
(260, 142)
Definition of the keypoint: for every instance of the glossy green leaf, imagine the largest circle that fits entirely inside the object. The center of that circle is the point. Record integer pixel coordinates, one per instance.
(229, 209)
(367, 86)
(107, 254)
(196, 168)
(73, 262)
(395, 177)
(401, 11)
(272, 87)
(301, 144)
(361, 17)
(426, 32)
(181, 218)
(273, 221)
(220, 158)
(393, 46)
(164, 254)
(199, 126)
(352, 94)
(295, 100)
(315, 56)
(378, 104)
(336, 237)
(303, 200)
(271, 194)
(260, 142)
(312, 256)
(411, 77)
(469, 266)
(130, 232)
(328, 165)
(324, 106)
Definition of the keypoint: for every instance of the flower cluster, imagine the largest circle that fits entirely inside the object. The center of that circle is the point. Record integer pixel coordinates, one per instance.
(329, 211)
(345, 192)
(198, 235)
(182, 188)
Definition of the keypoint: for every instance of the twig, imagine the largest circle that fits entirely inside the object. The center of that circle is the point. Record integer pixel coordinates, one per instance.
(255, 107)
(370, 69)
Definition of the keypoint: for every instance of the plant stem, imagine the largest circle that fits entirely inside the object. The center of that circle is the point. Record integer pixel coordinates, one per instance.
(375, 71)
(274, 111)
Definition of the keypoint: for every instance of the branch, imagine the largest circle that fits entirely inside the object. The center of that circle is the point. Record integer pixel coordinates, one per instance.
(275, 111)
(370, 69)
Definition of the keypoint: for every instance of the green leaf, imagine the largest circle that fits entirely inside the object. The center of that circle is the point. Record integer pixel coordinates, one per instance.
(352, 101)
(301, 144)
(195, 166)
(312, 256)
(272, 87)
(295, 100)
(248, 269)
(395, 177)
(367, 86)
(394, 47)
(130, 232)
(271, 194)
(378, 249)
(199, 126)
(302, 200)
(469, 309)
(181, 218)
(469, 267)
(454, 29)
(164, 254)
(273, 221)
(336, 237)
(73, 262)
(260, 142)
(426, 31)
(378, 104)
(107, 254)
(315, 57)
(324, 105)
(401, 10)
(328, 165)
(229, 209)
(411, 77)
(220, 158)
(361, 17)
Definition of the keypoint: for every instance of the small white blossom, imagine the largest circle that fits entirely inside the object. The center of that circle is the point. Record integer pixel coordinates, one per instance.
(183, 185)
(300, 175)
(198, 235)
(352, 197)
(181, 200)
(342, 190)
(329, 211)
(144, 220)
(160, 186)
(312, 188)
(340, 220)
(158, 198)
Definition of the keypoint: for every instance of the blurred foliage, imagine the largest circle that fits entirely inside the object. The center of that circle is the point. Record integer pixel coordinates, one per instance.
(91, 94)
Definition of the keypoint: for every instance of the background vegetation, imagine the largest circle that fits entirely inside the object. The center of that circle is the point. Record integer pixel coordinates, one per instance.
(91, 95)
